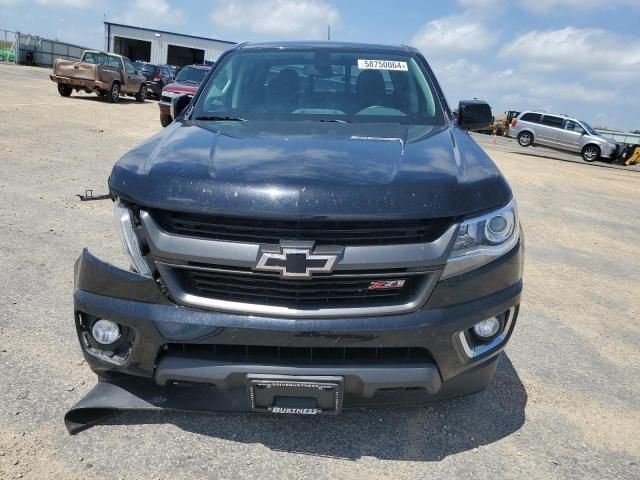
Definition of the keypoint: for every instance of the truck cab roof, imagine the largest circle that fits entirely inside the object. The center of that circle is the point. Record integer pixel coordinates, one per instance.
(328, 45)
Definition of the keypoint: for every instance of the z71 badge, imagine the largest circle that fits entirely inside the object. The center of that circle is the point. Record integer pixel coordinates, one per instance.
(386, 284)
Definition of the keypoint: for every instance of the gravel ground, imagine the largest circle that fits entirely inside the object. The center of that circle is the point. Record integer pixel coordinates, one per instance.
(564, 404)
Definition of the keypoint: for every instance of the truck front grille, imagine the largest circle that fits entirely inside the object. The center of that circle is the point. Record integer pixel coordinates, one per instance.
(316, 293)
(271, 355)
(322, 232)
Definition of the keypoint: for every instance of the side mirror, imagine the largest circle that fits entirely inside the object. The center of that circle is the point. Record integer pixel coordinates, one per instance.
(474, 114)
(178, 104)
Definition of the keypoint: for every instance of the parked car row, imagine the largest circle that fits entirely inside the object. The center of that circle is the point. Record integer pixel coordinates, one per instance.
(158, 76)
(110, 76)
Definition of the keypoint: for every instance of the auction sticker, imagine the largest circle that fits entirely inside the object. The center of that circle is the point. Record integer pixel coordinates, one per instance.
(382, 65)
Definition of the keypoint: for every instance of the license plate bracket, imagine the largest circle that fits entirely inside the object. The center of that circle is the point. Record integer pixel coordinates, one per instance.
(295, 395)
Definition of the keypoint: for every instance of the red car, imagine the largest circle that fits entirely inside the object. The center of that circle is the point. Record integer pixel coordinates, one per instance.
(187, 81)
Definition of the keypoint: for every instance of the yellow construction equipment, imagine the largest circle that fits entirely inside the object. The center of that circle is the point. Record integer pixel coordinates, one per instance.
(634, 159)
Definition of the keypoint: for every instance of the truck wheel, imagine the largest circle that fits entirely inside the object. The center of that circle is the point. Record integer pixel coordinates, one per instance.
(165, 119)
(113, 95)
(142, 94)
(525, 139)
(64, 90)
(590, 153)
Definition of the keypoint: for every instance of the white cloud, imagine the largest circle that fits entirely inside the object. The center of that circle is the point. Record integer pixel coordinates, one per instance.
(65, 3)
(480, 4)
(292, 19)
(455, 34)
(513, 88)
(151, 12)
(546, 6)
(582, 52)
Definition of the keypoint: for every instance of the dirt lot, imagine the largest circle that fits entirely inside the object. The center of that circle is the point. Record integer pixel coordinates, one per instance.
(565, 402)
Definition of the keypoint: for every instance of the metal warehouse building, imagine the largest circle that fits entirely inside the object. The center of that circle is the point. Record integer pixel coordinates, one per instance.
(157, 46)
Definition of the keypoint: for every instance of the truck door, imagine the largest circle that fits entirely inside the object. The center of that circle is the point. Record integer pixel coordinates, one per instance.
(134, 81)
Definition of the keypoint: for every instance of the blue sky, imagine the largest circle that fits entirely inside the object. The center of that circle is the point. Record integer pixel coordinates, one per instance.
(579, 57)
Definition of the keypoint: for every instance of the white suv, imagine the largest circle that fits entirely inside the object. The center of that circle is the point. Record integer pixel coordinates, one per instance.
(534, 128)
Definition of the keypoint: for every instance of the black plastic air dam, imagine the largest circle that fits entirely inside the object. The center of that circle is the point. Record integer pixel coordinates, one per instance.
(131, 393)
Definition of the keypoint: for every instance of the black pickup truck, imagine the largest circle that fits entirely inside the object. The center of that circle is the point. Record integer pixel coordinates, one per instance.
(315, 230)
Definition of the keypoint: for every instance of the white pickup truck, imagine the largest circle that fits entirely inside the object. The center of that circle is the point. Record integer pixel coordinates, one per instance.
(106, 74)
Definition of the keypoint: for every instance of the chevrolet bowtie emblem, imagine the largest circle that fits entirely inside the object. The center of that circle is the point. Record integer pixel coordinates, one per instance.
(295, 260)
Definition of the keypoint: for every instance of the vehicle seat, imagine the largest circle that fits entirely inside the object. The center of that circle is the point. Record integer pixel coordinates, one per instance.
(370, 89)
(283, 92)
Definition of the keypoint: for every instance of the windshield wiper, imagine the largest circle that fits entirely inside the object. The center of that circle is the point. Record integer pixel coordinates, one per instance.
(333, 120)
(221, 118)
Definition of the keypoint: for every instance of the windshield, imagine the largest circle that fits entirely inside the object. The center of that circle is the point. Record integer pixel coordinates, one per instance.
(191, 75)
(145, 67)
(321, 84)
(589, 128)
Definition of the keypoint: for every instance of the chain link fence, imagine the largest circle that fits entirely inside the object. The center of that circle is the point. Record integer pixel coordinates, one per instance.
(28, 49)
(35, 50)
(7, 46)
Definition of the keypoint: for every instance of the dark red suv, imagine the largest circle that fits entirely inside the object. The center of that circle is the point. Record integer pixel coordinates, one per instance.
(187, 82)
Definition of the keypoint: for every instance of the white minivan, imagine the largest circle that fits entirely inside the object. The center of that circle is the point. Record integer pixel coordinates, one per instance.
(563, 133)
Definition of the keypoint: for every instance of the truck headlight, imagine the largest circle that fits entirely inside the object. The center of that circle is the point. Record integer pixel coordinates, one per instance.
(130, 244)
(482, 239)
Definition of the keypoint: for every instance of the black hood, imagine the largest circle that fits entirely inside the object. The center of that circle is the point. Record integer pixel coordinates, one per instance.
(311, 169)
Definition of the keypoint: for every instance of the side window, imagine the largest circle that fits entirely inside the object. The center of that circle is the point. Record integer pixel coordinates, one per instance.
(551, 121)
(573, 126)
(531, 117)
(129, 67)
(90, 57)
(114, 62)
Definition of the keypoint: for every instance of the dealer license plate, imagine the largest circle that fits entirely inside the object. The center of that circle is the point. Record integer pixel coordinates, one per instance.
(295, 395)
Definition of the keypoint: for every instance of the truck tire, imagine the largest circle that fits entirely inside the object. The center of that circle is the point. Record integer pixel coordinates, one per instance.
(64, 90)
(113, 95)
(165, 119)
(590, 153)
(525, 139)
(142, 94)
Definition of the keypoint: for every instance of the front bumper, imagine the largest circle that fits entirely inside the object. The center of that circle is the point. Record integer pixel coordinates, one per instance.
(610, 152)
(456, 304)
(165, 107)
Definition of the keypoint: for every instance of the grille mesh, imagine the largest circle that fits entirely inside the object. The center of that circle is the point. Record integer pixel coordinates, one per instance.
(323, 232)
(317, 292)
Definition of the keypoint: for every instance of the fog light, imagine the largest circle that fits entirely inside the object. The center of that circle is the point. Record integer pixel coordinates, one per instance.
(105, 332)
(487, 328)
